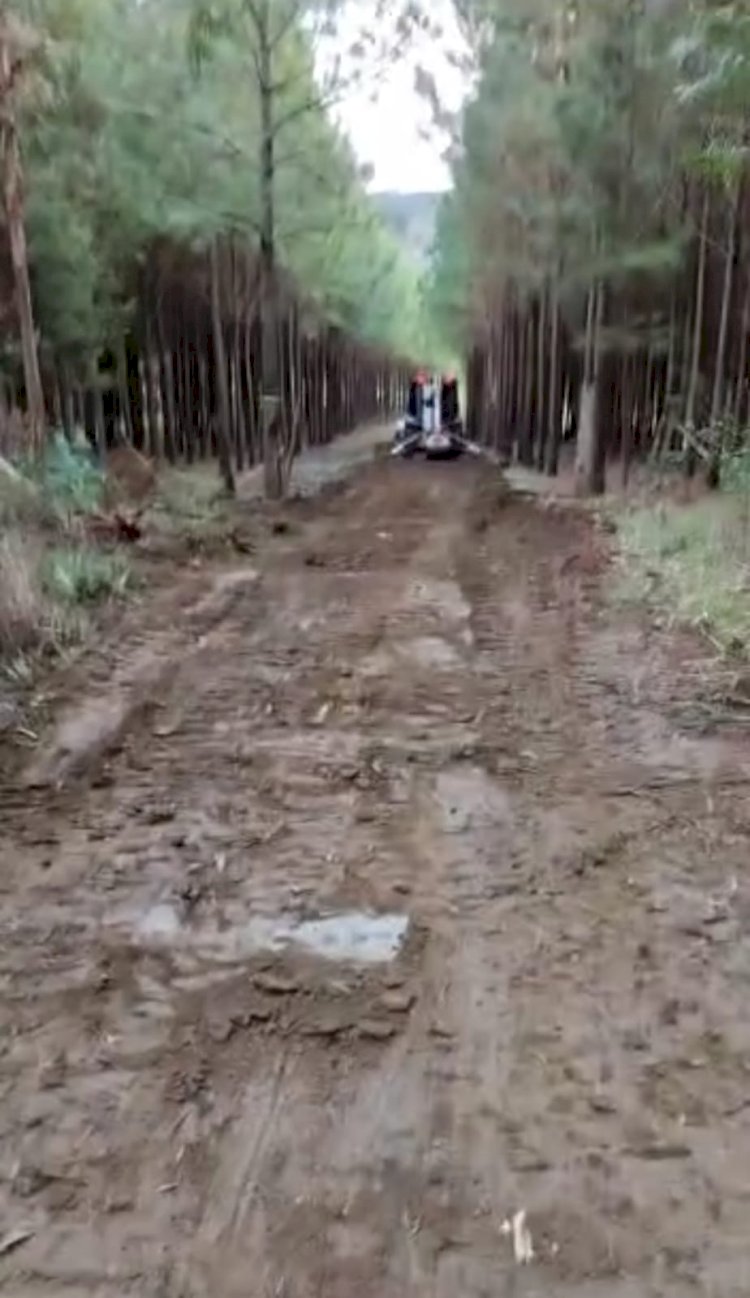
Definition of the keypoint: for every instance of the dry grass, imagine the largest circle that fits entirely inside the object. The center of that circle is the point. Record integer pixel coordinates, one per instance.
(23, 611)
(47, 573)
(694, 561)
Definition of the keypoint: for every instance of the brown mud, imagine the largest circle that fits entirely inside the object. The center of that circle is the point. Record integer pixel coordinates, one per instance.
(366, 902)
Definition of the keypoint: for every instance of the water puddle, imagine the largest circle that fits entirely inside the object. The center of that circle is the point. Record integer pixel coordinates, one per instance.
(368, 939)
(357, 937)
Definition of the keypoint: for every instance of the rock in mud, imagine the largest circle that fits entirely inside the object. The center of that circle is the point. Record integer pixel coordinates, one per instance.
(602, 1104)
(221, 1031)
(52, 1075)
(276, 984)
(659, 1150)
(376, 1030)
(397, 1002)
(327, 1029)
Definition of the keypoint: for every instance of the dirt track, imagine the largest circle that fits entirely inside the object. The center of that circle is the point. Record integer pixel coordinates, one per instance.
(419, 708)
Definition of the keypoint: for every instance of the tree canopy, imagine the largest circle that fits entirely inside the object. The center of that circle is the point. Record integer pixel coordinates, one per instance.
(125, 146)
(600, 185)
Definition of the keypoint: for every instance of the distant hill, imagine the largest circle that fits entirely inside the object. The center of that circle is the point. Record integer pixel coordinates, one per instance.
(412, 218)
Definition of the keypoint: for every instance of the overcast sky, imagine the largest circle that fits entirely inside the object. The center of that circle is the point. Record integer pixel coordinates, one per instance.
(388, 120)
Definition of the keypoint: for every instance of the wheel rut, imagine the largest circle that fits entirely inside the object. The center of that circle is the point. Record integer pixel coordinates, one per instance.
(347, 949)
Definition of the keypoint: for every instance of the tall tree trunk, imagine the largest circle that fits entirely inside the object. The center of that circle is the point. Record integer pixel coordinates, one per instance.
(591, 450)
(270, 366)
(12, 181)
(224, 421)
(717, 400)
(720, 360)
(541, 379)
(526, 449)
(554, 420)
(740, 382)
(695, 358)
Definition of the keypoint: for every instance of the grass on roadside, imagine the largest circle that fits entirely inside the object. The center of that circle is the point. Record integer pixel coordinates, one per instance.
(32, 621)
(693, 561)
(49, 576)
(82, 575)
(191, 502)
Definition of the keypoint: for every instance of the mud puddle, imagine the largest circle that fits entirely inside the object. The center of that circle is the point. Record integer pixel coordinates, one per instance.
(353, 937)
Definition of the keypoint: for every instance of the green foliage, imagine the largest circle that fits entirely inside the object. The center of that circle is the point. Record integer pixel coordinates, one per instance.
(68, 477)
(574, 147)
(130, 148)
(54, 489)
(692, 563)
(80, 575)
(735, 465)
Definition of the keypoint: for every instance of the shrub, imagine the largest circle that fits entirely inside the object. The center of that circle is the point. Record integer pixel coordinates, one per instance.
(67, 477)
(80, 575)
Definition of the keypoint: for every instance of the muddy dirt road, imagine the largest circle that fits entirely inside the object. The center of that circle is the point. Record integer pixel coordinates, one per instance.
(406, 903)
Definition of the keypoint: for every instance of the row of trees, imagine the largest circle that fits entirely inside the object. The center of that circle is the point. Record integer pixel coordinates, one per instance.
(181, 129)
(595, 254)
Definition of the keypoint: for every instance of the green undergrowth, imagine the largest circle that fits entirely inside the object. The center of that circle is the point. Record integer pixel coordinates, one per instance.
(83, 575)
(51, 492)
(51, 575)
(693, 563)
(189, 502)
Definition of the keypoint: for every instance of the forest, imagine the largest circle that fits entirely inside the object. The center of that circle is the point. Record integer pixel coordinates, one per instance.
(594, 255)
(189, 214)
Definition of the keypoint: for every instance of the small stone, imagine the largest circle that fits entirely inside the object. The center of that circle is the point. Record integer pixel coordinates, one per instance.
(220, 1032)
(52, 1075)
(120, 1203)
(276, 984)
(159, 815)
(659, 1150)
(397, 1002)
(259, 1014)
(376, 1030)
(529, 1161)
(441, 1031)
(602, 1104)
(325, 1030)
(403, 887)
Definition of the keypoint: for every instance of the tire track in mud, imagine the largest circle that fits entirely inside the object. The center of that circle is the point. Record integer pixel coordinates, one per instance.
(411, 715)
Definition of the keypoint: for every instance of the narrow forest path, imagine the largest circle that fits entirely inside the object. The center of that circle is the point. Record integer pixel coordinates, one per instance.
(421, 722)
